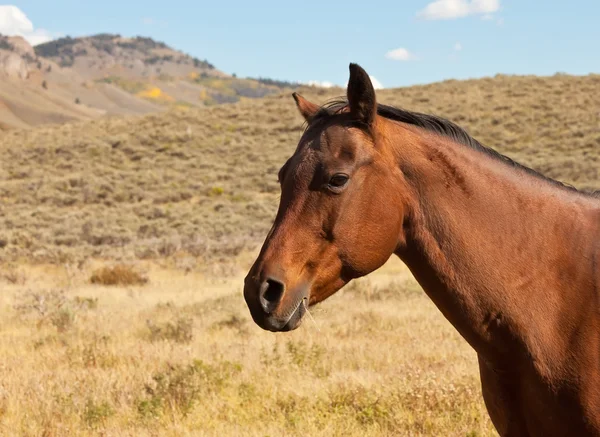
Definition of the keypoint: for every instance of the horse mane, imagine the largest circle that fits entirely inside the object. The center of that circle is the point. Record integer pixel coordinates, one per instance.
(448, 129)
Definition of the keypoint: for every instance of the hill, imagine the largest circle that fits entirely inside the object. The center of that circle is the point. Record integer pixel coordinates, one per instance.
(93, 56)
(83, 78)
(26, 98)
(202, 183)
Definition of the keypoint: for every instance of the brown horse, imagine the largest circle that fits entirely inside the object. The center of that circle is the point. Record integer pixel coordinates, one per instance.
(511, 258)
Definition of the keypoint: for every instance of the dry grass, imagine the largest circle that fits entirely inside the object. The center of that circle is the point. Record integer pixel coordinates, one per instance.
(119, 274)
(181, 356)
(202, 184)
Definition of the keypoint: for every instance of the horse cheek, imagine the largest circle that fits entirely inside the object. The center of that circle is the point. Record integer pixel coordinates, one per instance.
(375, 238)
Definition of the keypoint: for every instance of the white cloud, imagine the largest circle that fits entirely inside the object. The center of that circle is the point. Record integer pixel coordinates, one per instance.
(13, 22)
(148, 21)
(39, 36)
(326, 84)
(376, 84)
(458, 47)
(321, 84)
(400, 54)
(484, 6)
(451, 9)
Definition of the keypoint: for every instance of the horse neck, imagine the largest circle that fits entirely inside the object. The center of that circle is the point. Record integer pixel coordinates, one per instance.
(487, 241)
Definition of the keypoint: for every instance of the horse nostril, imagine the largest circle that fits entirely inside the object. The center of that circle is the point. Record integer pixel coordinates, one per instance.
(274, 291)
(271, 293)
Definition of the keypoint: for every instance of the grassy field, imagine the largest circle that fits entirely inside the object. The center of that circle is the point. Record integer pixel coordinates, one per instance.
(180, 202)
(181, 356)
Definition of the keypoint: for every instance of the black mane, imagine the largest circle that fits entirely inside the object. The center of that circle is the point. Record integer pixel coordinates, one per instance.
(446, 128)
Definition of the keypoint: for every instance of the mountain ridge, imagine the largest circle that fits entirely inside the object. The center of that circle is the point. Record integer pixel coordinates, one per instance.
(108, 74)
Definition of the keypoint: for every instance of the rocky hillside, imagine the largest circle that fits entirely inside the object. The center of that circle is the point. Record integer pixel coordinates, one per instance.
(104, 55)
(18, 59)
(83, 78)
(35, 90)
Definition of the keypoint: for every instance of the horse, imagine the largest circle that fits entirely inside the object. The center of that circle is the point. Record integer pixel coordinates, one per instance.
(510, 257)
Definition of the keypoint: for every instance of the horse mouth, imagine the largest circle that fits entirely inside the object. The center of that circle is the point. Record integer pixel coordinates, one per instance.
(285, 324)
(270, 322)
(296, 317)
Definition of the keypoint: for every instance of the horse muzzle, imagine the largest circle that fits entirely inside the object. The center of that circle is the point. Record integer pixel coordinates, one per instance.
(272, 306)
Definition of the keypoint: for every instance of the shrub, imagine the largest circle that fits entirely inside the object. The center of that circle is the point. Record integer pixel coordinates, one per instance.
(233, 322)
(95, 414)
(12, 275)
(53, 307)
(63, 319)
(309, 356)
(180, 331)
(179, 388)
(216, 191)
(119, 274)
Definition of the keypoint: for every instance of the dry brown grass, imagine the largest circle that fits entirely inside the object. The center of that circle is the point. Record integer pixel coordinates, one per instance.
(119, 274)
(181, 356)
(202, 184)
(12, 274)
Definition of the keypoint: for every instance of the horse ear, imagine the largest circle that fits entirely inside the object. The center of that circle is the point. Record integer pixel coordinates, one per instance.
(361, 95)
(306, 108)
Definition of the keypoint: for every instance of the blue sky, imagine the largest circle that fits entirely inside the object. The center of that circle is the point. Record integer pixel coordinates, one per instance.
(398, 42)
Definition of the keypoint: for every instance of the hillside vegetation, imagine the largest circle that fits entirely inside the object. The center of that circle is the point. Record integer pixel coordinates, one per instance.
(202, 182)
(106, 50)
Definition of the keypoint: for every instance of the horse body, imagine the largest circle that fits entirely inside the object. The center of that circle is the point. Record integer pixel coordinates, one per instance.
(510, 258)
(512, 264)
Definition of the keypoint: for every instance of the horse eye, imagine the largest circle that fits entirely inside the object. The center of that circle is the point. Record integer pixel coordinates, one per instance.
(338, 181)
